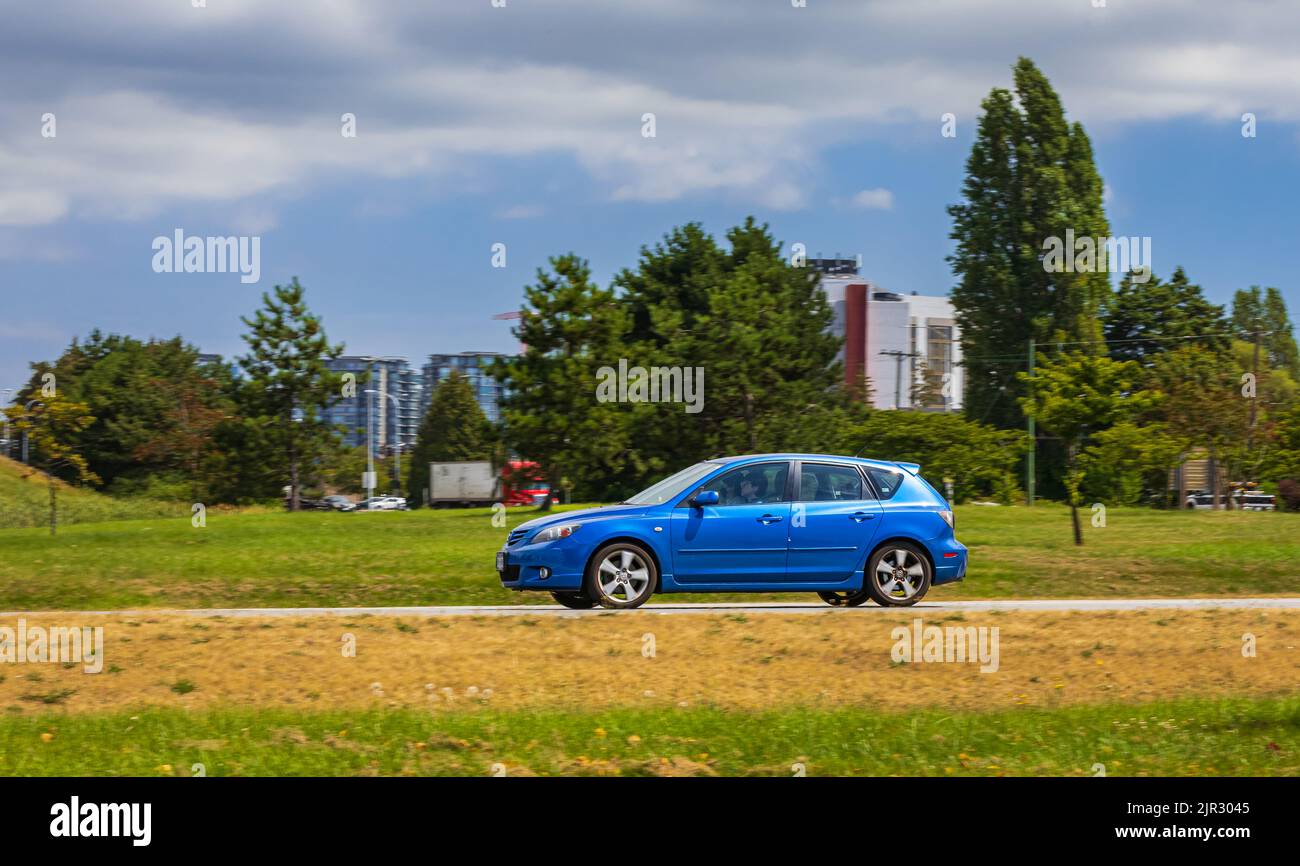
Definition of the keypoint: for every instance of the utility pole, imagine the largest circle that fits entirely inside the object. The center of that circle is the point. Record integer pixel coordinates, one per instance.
(1250, 435)
(1033, 441)
(898, 374)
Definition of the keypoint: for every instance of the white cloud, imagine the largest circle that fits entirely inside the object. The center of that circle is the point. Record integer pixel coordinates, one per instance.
(521, 212)
(237, 105)
(28, 207)
(874, 199)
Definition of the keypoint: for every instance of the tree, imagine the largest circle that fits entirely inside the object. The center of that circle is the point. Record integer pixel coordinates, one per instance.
(1264, 319)
(1030, 178)
(1130, 462)
(344, 469)
(1202, 397)
(570, 328)
(153, 407)
(1073, 397)
(755, 326)
(50, 424)
(289, 384)
(1143, 319)
(981, 460)
(453, 429)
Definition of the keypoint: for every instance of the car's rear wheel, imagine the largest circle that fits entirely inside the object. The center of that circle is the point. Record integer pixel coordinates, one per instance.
(845, 599)
(574, 600)
(898, 575)
(621, 576)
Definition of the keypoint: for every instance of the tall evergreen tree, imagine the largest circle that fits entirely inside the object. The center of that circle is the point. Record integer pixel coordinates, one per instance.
(757, 327)
(1263, 316)
(289, 384)
(1030, 177)
(1143, 319)
(570, 328)
(453, 429)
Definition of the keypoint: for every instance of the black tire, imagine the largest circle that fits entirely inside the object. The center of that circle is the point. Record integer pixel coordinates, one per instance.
(574, 600)
(887, 588)
(845, 599)
(634, 571)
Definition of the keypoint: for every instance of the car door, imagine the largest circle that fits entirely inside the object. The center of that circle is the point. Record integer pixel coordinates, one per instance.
(742, 539)
(832, 523)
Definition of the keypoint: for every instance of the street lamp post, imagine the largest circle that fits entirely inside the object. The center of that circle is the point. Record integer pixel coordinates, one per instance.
(397, 447)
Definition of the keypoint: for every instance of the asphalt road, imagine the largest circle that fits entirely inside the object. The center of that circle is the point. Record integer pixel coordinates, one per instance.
(1082, 604)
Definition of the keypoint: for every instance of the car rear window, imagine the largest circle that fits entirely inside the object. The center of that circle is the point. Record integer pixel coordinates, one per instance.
(886, 481)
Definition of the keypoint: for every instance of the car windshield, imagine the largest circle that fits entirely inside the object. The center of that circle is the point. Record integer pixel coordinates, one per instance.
(672, 486)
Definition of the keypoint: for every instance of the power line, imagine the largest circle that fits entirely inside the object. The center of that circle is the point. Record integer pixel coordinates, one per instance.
(1152, 339)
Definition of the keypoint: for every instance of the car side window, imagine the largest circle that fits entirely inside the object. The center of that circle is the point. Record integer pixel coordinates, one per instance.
(821, 482)
(750, 485)
(886, 481)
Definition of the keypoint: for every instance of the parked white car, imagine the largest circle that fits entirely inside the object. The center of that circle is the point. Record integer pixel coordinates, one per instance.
(382, 503)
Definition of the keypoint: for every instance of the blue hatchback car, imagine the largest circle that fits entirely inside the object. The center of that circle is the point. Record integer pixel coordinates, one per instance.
(849, 529)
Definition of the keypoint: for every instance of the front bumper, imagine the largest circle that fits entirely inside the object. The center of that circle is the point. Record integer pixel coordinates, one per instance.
(523, 565)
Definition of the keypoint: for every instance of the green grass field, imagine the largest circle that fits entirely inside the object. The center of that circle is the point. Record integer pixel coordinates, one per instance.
(1188, 737)
(445, 557)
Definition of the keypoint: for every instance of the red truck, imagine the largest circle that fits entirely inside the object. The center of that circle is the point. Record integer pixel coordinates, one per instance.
(522, 483)
(474, 482)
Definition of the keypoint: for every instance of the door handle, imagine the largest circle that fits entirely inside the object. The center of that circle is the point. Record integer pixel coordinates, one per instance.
(767, 519)
(859, 516)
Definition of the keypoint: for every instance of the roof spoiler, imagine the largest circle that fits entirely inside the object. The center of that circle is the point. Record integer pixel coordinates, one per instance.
(914, 468)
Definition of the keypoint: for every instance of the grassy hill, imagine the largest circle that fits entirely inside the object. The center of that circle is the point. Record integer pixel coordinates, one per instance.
(25, 501)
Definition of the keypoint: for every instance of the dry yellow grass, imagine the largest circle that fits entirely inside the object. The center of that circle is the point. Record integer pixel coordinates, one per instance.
(837, 658)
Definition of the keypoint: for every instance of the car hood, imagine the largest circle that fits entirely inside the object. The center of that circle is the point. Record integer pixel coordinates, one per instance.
(583, 515)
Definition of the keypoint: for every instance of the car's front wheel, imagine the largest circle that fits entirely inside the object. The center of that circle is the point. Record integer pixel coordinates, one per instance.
(898, 575)
(574, 600)
(621, 575)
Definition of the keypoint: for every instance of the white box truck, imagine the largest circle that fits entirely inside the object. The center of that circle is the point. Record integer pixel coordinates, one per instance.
(466, 483)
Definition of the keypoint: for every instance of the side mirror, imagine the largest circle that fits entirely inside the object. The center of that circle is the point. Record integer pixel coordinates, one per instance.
(705, 497)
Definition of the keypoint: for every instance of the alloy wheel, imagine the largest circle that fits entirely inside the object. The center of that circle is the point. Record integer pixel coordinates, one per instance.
(623, 576)
(899, 574)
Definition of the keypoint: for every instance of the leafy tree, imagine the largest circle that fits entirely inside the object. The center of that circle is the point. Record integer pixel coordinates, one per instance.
(1075, 396)
(342, 470)
(981, 460)
(453, 429)
(1030, 177)
(289, 384)
(1130, 462)
(1203, 398)
(152, 405)
(51, 425)
(1146, 318)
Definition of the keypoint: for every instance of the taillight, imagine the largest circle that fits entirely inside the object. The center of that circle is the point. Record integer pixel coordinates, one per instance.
(949, 519)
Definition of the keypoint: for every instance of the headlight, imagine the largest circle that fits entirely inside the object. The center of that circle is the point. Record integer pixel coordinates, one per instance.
(553, 533)
(948, 519)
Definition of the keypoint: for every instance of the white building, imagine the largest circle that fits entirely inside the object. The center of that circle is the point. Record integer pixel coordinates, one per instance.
(907, 346)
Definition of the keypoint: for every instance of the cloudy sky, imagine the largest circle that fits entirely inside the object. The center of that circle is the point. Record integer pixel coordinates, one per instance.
(522, 125)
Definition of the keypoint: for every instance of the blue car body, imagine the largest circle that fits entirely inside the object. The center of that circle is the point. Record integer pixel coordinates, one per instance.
(804, 538)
